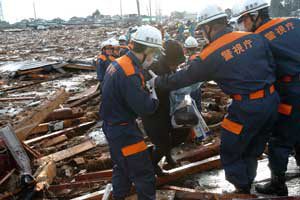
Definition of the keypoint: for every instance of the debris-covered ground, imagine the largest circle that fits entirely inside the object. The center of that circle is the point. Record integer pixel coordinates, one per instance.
(50, 96)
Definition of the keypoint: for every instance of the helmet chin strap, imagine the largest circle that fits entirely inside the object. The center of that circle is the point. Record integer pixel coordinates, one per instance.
(207, 33)
(254, 22)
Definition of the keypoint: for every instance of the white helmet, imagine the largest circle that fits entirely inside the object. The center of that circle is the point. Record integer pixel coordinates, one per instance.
(210, 13)
(236, 11)
(105, 44)
(191, 42)
(114, 42)
(252, 6)
(122, 38)
(148, 36)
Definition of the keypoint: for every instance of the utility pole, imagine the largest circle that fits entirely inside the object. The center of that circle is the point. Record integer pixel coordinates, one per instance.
(1, 12)
(138, 7)
(150, 10)
(121, 8)
(34, 11)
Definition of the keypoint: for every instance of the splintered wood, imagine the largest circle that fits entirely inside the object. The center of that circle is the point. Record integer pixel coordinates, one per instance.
(46, 176)
(24, 128)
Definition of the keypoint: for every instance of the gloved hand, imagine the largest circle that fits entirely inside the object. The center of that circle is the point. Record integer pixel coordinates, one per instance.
(151, 85)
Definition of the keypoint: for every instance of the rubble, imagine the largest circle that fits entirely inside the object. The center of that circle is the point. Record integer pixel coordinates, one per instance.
(50, 95)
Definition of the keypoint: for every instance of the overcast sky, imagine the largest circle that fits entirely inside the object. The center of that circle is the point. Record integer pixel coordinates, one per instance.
(15, 10)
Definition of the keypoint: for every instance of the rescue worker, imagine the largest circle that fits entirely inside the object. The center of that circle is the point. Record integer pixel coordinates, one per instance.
(242, 65)
(122, 40)
(158, 125)
(104, 59)
(191, 46)
(123, 100)
(283, 36)
(116, 48)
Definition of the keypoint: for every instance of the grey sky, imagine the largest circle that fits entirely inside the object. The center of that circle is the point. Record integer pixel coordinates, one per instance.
(15, 10)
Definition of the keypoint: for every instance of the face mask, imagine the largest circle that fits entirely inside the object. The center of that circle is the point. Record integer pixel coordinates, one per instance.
(241, 27)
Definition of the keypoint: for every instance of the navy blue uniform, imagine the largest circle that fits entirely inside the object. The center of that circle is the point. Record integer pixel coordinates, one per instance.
(103, 61)
(283, 35)
(243, 67)
(123, 100)
(196, 95)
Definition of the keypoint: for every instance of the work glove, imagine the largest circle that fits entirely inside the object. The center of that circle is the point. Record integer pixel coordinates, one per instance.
(151, 85)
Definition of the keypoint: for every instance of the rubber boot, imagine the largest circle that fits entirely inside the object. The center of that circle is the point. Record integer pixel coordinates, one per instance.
(276, 186)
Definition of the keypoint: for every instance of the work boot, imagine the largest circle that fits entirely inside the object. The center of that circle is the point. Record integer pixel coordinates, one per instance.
(276, 186)
(240, 190)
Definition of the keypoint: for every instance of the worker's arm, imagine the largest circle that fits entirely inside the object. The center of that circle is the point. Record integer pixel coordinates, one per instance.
(137, 98)
(198, 71)
(101, 68)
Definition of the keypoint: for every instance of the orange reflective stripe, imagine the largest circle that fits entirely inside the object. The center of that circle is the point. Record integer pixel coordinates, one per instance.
(134, 148)
(126, 64)
(285, 109)
(222, 41)
(270, 23)
(237, 97)
(124, 47)
(102, 57)
(232, 126)
(257, 95)
(272, 89)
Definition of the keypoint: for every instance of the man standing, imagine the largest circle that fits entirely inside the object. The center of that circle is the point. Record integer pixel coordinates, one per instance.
(283, 36)
(104, 59)
(242, 65)
(123, 100)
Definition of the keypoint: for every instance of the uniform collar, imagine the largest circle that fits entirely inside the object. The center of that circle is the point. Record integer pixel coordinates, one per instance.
(263, 22)
(135, 60)
(221, 33)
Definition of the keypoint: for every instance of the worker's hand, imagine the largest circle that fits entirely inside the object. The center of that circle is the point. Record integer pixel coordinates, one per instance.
(151, 85)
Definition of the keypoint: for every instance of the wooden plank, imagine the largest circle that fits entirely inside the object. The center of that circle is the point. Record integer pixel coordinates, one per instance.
(81, 67)
(189, 169)
(64, 113)
(211, 196)
(93, 196)
(54, 141)
(17, 99)
(46, 176)
(94, 175)
(84, 99)
(75, 185)
(67, 153)
(178, 189)
(7, 176)
(67, 132)
(45, 127)
(85, 93)
(201, 153)
(24, 128)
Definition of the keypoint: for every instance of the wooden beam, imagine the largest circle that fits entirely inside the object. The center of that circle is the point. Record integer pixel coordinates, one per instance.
(94, 175)
(24, 128)
(7, 176)
(45, 127)
(189, 169)
(201, 153)
(54, 141)
(75, 185)
(67, 153)
(65, 113)
(67, 132)
(84, 99)
(81, 67)
(211, 196)
(85, 93)
(46, 176)
(17, 99)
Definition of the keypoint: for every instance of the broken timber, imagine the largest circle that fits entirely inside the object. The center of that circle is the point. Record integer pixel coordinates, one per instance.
(64, 113)
(45, 127)
(54, 141)
(67, 153)
(46, 176)
(201, 153)
(210, 196)
(24, 128)
(68, 132)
